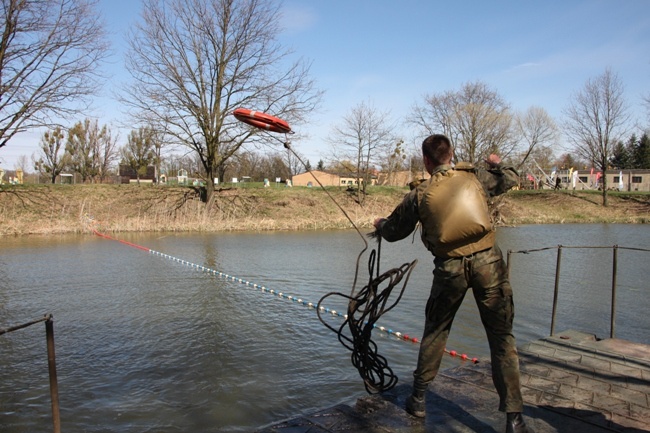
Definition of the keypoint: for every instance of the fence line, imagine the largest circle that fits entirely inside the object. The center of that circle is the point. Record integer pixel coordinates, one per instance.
(558, 265)
(51, 363)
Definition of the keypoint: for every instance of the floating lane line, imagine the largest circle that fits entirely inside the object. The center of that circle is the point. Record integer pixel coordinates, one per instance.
(389, 331)
(400, 335)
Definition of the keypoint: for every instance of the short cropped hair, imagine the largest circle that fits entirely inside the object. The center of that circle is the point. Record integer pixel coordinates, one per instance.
(438, 149)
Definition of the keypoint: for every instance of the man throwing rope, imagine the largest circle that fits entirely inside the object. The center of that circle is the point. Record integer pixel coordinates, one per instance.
(452, 208)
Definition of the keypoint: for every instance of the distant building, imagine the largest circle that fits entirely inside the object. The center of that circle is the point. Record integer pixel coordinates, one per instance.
(307, 179)
(631, 179)
(66, 178)
(353, 180)
(619, 180)
(327, 179)
(129, 175)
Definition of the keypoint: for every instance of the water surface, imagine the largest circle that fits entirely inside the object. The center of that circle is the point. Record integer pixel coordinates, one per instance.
(146, 344)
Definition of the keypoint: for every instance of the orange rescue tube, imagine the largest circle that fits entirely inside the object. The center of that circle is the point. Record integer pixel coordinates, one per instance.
(262, 120)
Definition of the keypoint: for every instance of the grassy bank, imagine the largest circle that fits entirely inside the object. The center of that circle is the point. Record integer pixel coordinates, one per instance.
(49, 209)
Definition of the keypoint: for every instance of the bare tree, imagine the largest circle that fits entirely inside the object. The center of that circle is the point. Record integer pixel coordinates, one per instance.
(139, 151)
(50, 52)
(414, 160)
(248, 164)
(596, 119)
(172, 164)
(107, 153)
(393, 160)
(194, 61)
(294, 161)
(475, 118)
(343, 166)
(90, 148)
(363, 135)
(52, 156)
(21, 163)
(275, 166)
(535, 129)
(159, 145)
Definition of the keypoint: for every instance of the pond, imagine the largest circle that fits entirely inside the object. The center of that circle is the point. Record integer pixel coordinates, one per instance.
(148, 343)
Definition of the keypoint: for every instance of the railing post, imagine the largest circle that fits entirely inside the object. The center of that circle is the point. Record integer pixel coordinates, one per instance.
(51, 363)
(508, 263)
(612, 323)
(557, 288)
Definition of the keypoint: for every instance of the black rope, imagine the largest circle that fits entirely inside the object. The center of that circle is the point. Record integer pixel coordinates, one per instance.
(365, 308)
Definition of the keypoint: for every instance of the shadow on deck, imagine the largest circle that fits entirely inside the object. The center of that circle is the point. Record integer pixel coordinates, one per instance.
(571, 382)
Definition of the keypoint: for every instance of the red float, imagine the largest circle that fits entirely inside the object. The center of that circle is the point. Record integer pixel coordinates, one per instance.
(262, 120)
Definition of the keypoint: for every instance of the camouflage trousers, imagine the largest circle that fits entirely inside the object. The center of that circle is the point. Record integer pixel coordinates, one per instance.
(485, 272)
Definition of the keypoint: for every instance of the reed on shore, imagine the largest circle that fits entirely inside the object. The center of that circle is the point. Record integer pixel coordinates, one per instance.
(57, 209)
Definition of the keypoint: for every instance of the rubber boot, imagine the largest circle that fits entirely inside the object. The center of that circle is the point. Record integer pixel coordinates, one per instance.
(515, 424)
(415, 404)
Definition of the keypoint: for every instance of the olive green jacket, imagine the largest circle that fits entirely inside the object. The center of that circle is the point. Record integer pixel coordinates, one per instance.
(452, 208)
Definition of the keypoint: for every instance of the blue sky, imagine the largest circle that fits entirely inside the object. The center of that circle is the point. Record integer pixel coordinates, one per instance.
(390, 54)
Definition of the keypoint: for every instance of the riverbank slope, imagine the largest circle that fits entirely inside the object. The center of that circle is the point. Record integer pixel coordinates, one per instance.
(56, 209)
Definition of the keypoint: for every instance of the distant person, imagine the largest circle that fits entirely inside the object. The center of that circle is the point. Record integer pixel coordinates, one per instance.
(451, 207)
(558, 183)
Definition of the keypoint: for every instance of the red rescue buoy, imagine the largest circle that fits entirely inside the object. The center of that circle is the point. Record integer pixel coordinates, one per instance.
(262, 120)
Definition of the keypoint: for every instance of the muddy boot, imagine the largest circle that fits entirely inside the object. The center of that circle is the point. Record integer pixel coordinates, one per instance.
(415, 404)
(515, 424)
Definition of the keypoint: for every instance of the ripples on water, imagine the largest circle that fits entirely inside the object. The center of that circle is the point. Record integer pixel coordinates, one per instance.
(145, 344)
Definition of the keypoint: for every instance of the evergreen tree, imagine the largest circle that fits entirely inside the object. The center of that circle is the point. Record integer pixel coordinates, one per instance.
(640, 152)
(621, 158)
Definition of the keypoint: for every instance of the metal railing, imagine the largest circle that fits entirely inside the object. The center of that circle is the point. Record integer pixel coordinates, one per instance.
(556, 291)
(51, 363)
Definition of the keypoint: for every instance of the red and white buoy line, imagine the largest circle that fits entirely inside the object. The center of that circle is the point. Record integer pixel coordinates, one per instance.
(401, 336)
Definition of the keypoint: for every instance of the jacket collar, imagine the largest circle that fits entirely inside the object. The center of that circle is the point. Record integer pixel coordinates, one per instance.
(441, 168)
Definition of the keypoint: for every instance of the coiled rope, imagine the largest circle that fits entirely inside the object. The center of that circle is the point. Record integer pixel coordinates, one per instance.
(365, 307)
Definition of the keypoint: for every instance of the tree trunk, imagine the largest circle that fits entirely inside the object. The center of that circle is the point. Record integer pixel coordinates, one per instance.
(209, 190)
